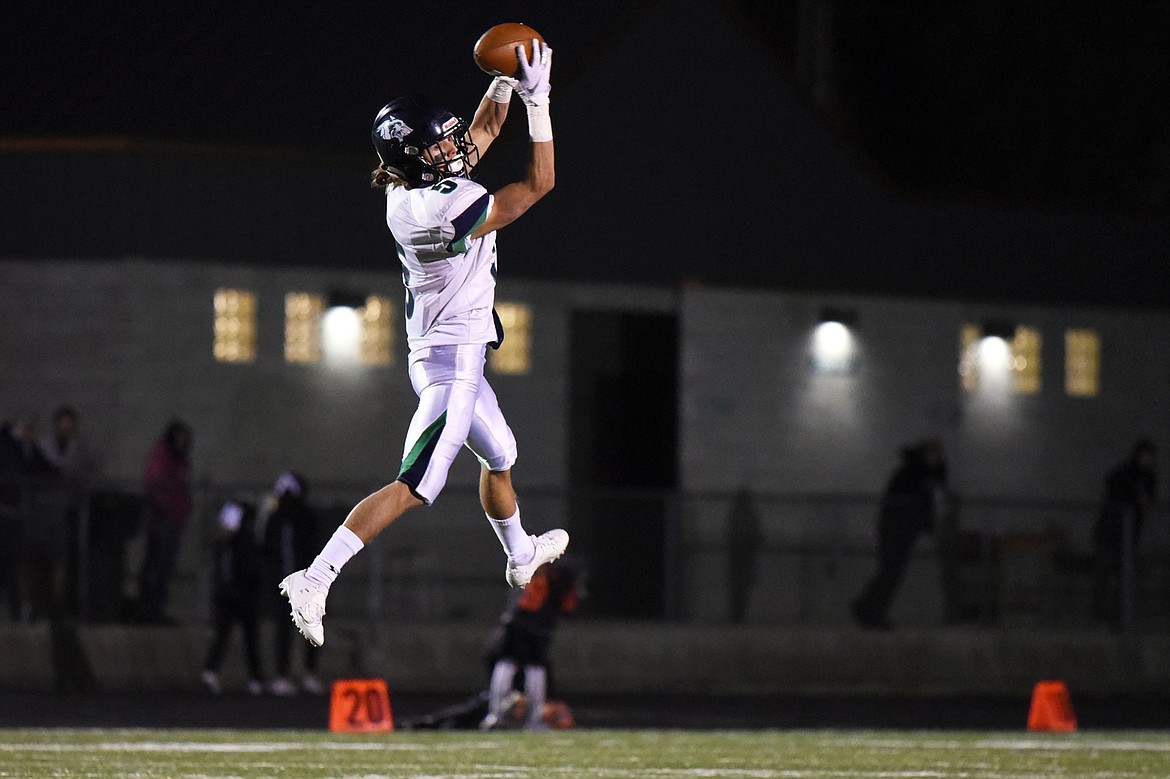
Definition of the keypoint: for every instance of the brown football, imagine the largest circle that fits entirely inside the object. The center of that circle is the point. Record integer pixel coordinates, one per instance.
(495, 51)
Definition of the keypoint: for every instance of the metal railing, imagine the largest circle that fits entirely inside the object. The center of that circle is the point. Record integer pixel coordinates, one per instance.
(650, 555)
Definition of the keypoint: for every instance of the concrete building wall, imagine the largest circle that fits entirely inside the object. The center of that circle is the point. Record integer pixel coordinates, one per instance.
(130, 344)
(777, 425)
(816, 448)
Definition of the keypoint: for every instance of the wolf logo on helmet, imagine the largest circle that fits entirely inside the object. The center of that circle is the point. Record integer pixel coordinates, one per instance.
(393, 129)
(407, 134)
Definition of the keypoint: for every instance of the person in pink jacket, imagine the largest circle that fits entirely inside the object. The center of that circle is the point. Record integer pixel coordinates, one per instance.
(166, 485)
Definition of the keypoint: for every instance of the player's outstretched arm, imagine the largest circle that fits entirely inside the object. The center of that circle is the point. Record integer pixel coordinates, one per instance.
(491, 113)
(533, 86)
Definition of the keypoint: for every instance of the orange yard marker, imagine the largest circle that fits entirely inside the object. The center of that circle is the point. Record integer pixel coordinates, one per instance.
(360, 706)
(1051, 708)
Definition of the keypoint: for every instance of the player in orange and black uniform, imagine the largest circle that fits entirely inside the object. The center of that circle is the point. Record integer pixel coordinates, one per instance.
(523, 638)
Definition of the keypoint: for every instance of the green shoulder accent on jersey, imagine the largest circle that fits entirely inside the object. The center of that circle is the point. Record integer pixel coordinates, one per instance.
(464, 226)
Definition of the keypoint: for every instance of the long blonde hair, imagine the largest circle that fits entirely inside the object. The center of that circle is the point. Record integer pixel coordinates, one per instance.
(383, 179)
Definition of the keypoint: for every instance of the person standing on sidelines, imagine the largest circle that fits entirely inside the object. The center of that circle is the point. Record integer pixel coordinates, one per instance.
(444, 227)
(236, 578)
(287, 530)
(916, 501)
(166, 486)
(1131, 490)
(521, 641)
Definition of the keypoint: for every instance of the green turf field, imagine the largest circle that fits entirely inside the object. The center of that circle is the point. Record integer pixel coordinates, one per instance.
(581, 753)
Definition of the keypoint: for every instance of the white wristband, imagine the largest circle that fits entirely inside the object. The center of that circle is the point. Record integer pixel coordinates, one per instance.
(500, 91)
(539, 123)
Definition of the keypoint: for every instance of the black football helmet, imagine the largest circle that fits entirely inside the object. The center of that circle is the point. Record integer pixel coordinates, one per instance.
(405, 131)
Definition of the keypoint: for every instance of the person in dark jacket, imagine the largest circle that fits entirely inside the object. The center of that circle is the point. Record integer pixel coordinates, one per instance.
(288, 529)
(236, 583)
(522, 639)
(744, 539)
(913, 502)
(1130, 492)
(21, 464)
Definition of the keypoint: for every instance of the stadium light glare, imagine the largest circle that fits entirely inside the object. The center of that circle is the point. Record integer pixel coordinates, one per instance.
(833, 349)
(994, 354)
(341, 335)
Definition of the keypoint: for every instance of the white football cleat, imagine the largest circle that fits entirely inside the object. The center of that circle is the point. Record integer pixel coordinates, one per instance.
(549, 546)
(307, 600)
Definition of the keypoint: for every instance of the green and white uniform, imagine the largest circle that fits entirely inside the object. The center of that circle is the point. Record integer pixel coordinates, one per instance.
(450, 280)
(450, 292)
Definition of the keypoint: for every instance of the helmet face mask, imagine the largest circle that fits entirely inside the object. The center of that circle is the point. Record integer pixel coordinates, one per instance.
(408, 135)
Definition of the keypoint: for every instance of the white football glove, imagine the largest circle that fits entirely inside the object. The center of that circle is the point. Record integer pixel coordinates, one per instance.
(532, 75)
(500, 90)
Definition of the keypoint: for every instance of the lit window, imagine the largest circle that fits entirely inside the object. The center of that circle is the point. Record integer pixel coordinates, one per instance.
(343, 333)
(235, 325)
(1026, 360)
(377, 331)
(1000, 364)
(515, 355)
(969, 357)
(302, 327)
(1082, 363)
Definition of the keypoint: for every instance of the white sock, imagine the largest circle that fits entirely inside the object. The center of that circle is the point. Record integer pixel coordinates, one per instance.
(503, 674)
(535, 680)
(343, 545)
(517, 544)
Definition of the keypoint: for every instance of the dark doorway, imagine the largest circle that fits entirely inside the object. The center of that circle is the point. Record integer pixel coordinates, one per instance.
(623, 455)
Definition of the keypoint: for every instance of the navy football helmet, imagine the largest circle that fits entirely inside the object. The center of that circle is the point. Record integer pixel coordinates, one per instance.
(405, 133)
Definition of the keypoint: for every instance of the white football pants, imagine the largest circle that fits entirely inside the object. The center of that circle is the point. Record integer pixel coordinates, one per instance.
(456, 407)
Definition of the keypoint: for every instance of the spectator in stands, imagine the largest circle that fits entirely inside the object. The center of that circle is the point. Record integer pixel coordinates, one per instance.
(743, 550)
(915, 501)
(1130, 492)
(63, 447)
(49, 528)
(115, 517)
(236, 583)
(167, 509)
(522, 639)
(20, 461)
(52, 531)
(290, 538)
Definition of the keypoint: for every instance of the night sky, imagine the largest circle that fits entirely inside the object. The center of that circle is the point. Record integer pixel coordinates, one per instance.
(306, 75)
(981, 152)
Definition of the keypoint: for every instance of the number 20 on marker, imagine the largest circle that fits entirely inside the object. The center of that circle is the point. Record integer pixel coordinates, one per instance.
(361, 706)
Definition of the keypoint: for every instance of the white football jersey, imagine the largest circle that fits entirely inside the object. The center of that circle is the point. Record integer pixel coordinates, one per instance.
(450, 280)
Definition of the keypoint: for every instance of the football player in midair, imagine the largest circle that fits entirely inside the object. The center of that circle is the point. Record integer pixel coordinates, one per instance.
(444, 226)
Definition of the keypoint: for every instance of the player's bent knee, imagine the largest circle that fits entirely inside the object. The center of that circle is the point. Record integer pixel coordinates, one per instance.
(501, 463)
(412, 490)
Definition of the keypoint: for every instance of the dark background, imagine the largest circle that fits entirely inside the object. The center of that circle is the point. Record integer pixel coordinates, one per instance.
(988, 149)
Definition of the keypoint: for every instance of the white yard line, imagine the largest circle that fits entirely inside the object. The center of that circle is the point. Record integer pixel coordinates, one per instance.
(1071, 742)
